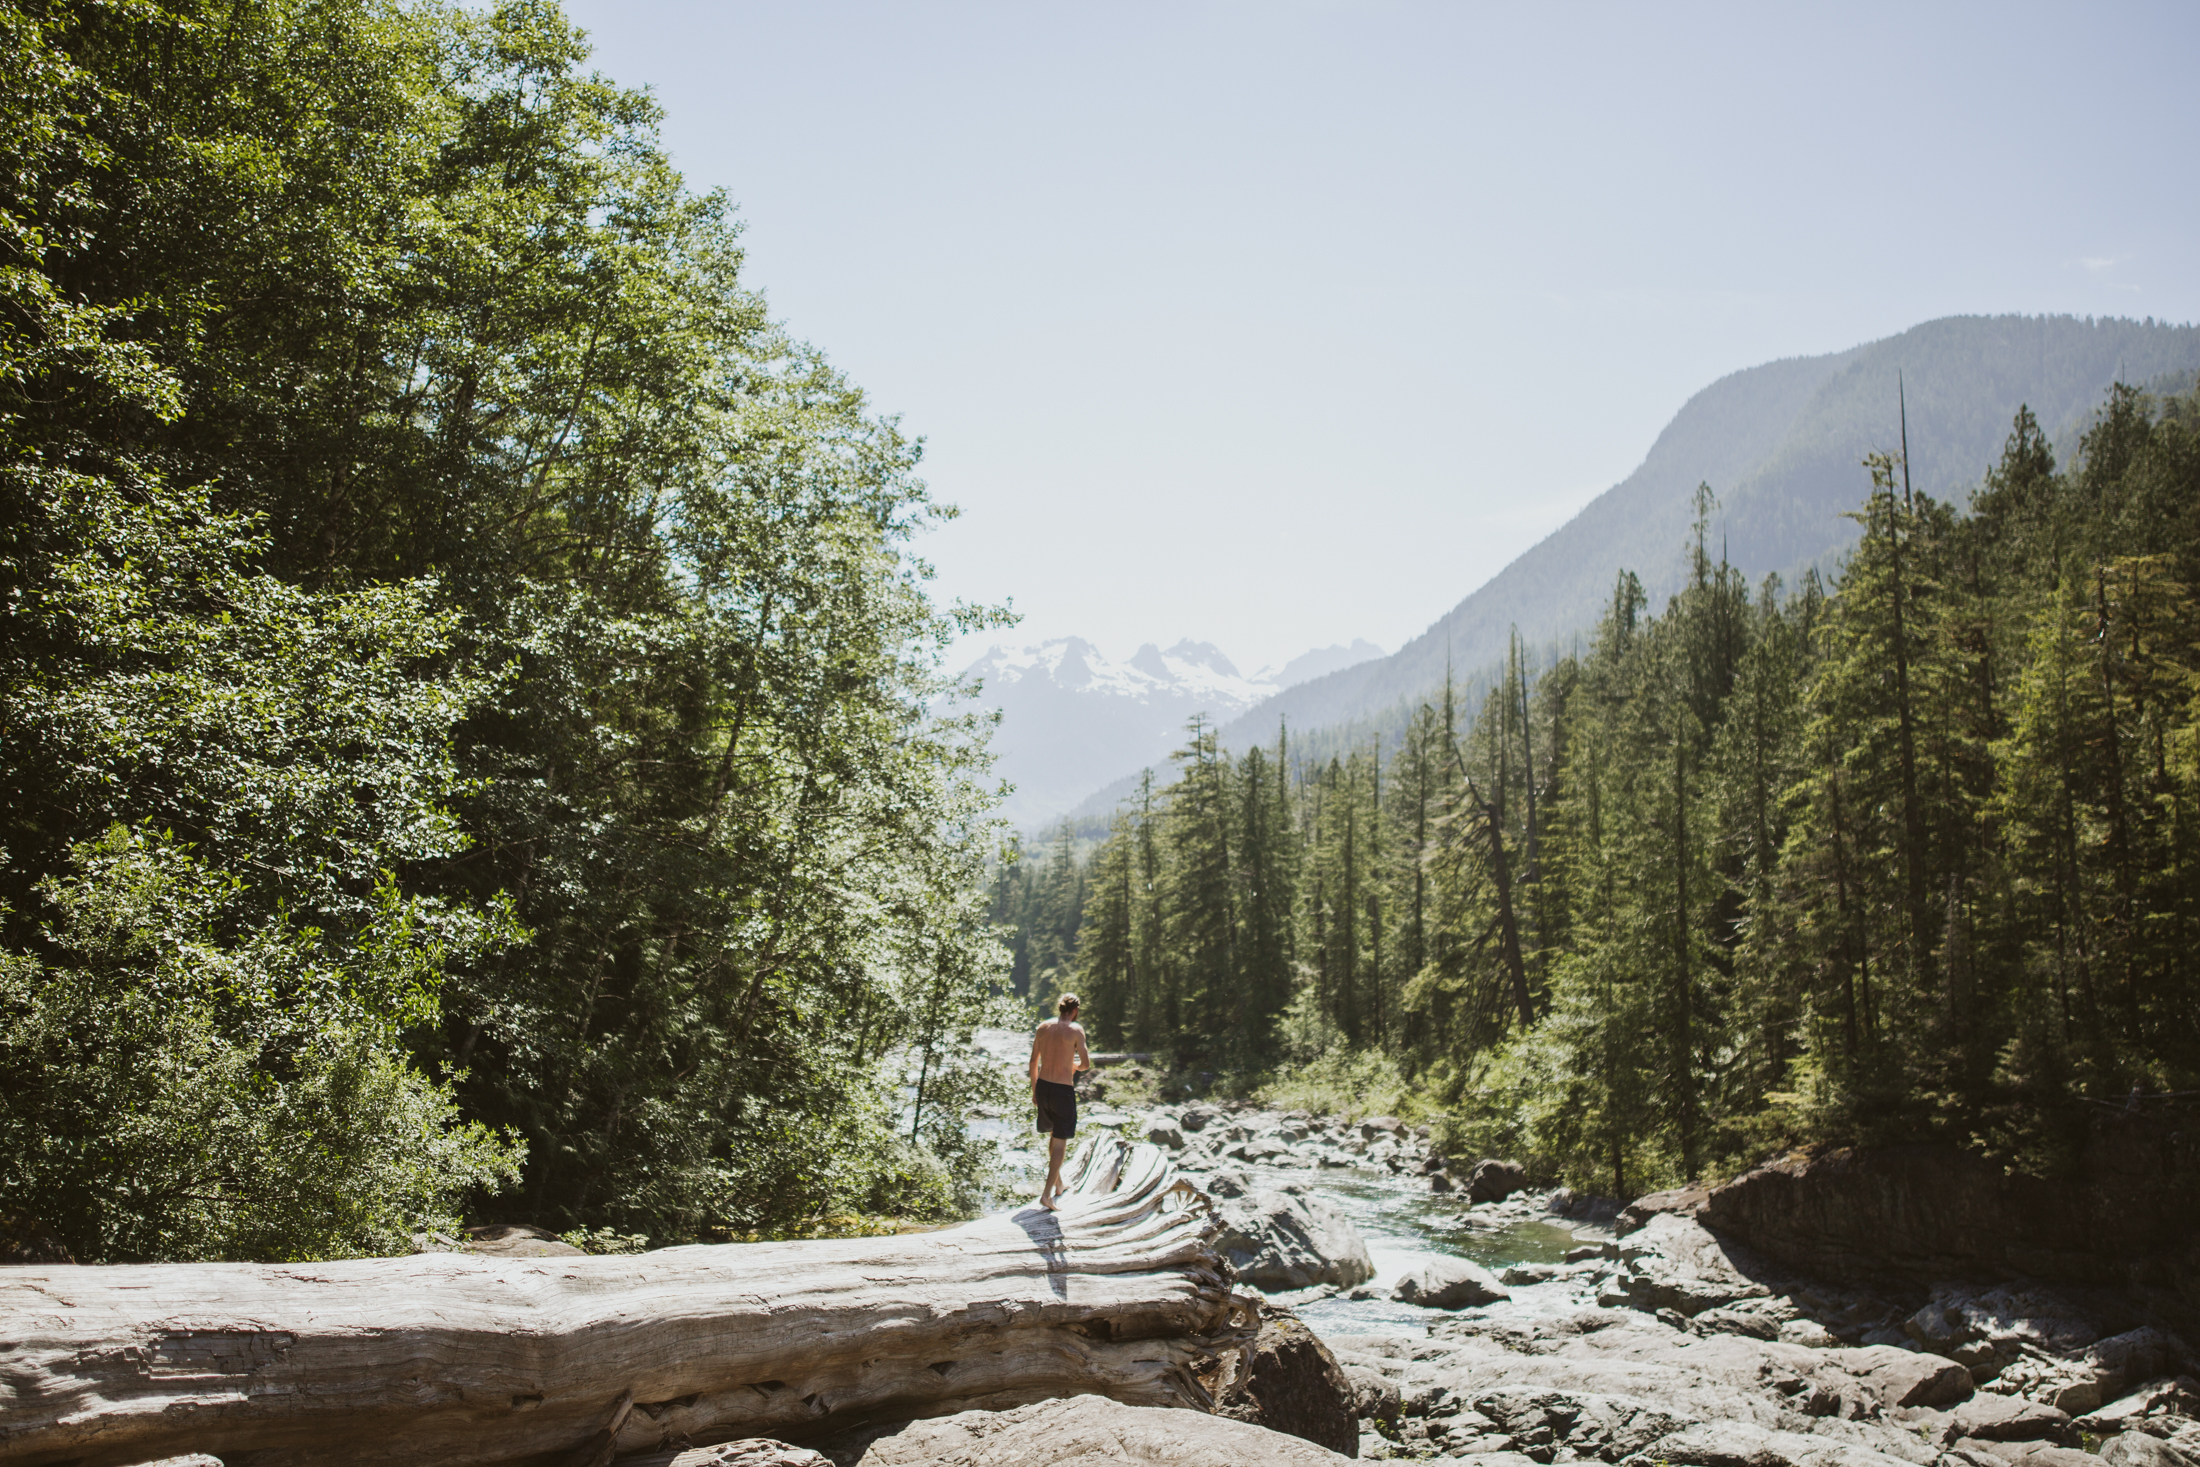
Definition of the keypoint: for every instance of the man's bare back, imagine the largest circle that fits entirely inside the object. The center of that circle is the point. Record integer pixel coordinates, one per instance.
(1058, 1052)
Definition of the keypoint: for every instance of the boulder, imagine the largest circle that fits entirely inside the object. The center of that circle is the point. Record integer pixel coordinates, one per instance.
(1675, 1263)
(1493, 1180)
(1162, 1131)
(1285, 1238)
(1377, 1126)
(1228, 1184)
(2163, 1400)
(1896, 1377)
(1375, 1395)
(2137, 1449)
(1289, 1382)
(1736, 1322)
(2007, 1419)
(1449, 1283)
(1088, 1431)
(1197, 1117)
(1928, 1212)
(2121, 1362)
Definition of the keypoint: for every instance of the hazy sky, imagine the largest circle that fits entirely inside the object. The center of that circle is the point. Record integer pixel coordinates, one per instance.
(1276, 324)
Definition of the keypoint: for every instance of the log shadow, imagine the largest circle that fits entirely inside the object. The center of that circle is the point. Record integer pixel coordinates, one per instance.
(1045, 1231)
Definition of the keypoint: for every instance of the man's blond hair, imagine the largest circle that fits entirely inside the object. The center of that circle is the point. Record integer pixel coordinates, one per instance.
(1068, 1005)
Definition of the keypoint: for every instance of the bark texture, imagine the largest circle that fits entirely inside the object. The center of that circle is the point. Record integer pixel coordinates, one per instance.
(460, 1359)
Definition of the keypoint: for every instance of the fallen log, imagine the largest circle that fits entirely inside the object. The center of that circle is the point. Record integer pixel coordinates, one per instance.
(470, 1361)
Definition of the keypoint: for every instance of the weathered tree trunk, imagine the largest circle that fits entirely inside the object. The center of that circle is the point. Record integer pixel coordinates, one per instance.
(460, 1359)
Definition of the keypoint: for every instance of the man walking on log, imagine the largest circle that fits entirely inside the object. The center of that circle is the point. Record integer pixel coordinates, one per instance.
(1057, 1053)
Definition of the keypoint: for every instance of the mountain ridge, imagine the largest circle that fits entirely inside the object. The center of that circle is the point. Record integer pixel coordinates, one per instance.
(1781, 445)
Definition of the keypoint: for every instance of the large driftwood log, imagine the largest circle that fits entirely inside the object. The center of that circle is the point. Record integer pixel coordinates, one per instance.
(458, 1359)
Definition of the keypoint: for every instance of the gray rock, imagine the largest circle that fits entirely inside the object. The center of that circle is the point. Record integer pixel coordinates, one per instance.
(1290, 1382)
(1736, 1322)
(1285, 1238)
(2168, 1398)
(1449, 1283)
(1493, 1180)
(1740, 1444)
(1521, 1274)
(1089, 1431)
(2137, 1449)
(1897, 1377)
(2031, 1454)
(2008, 1419)
(1440, 1182)
(1162, 1131)
(1608, 1427)
(1375, 1396)
(2121, 1362)
(1676, 1263)
(1375, 1126)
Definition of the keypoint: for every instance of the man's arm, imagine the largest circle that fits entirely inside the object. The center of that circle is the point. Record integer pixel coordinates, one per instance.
(1035, 1059)
(1083, 1058)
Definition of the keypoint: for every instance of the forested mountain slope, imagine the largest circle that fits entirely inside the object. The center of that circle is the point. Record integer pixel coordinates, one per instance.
(1779, 444)
(1900, 854)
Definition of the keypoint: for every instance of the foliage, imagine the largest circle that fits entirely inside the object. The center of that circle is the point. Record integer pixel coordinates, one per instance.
(467, 678)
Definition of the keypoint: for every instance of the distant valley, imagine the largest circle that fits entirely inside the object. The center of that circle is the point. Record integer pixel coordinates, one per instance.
(1072, 720)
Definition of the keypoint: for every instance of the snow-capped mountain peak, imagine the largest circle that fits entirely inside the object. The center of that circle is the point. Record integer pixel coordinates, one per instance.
(1072, 719)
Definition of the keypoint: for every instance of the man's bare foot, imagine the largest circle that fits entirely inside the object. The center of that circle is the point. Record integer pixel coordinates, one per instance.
(1046, 1202)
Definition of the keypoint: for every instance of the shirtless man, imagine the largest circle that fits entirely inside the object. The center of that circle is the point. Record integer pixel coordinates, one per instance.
(1057, 1054)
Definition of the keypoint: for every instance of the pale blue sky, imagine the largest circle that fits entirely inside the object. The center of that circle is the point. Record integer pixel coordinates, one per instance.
(1279, 324)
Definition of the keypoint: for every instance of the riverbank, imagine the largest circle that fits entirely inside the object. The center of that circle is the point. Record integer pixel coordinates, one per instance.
(1585, 1330)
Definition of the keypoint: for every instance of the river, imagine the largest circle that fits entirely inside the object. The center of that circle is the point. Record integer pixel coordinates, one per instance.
(1403, 1222)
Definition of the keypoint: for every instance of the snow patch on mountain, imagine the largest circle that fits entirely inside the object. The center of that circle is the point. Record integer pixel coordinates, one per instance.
(1072, 719)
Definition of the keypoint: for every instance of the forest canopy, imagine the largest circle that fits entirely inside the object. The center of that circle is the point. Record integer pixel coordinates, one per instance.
(1907, 856)
(465, 686)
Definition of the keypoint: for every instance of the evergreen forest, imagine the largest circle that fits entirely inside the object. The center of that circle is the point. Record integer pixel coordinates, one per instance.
(1911, 854)
(464, 723)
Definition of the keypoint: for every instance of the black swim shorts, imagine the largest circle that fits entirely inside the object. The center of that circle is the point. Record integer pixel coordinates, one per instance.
(1057, 1109)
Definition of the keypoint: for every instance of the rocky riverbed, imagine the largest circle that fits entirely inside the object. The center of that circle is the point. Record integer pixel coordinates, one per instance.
(1474, 1316)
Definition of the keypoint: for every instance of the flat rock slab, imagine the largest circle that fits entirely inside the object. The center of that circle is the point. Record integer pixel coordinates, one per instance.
(1081, 1431)
(2008, 1419)
(1905, 1377)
